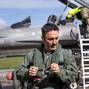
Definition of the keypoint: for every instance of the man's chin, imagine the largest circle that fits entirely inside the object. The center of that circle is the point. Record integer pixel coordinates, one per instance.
(52, 49)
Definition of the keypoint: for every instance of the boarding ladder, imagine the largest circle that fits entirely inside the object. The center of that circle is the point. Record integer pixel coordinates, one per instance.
(84, 46)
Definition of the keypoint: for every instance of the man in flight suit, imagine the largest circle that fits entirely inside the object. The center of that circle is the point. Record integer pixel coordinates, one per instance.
(50, 66)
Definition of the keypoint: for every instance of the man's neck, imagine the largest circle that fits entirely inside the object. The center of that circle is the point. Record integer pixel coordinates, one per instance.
(48, 51)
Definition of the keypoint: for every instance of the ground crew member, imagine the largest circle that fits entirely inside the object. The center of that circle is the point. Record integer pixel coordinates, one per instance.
(81, 13)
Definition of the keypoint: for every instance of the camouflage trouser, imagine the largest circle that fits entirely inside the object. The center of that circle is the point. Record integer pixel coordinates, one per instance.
(30, 86)
(34, 87)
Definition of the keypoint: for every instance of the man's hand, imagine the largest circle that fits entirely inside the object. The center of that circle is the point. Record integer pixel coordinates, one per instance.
(33, 71)
(55, 68)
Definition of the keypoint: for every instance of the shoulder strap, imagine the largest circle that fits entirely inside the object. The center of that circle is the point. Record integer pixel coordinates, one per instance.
(61, 56)
(58, 56)
(38, 58)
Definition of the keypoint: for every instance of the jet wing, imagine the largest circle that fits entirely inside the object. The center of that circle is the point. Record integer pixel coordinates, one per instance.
(76, 3)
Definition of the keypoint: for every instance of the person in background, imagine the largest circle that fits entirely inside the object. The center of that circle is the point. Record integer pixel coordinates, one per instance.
(82, 14)
(50, 66)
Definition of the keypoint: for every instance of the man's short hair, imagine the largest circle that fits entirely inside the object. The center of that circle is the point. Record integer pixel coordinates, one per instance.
(49, 27)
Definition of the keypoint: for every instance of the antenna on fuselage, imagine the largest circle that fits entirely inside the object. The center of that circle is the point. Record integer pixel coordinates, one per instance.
(59, 20)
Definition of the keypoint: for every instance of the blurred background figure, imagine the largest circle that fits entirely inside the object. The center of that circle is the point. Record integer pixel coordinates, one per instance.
(81, 13)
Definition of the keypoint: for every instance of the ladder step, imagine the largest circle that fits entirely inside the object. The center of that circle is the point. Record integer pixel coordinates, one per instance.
(86, 73)
(86, 85)
(86, 57)
(86, 68)
(84, 39)
(85, 51)
(86, 60)
(86, 77)
(85, 44)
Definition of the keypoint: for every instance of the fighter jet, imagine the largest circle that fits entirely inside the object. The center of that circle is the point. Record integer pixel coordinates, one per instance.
(22, 35)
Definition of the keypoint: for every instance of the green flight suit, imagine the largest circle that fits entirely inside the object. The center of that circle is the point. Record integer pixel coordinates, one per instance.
(37, 57)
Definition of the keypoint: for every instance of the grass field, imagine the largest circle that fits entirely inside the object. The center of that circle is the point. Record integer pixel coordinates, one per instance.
(11, 62)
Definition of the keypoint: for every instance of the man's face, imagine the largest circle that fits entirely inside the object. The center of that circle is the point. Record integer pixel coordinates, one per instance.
(51, 40)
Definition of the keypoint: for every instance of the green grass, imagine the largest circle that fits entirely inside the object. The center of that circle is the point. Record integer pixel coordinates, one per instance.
(11, 62)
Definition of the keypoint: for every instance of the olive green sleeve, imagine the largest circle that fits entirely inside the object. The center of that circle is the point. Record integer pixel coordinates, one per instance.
(69, 71)
(22, 71)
